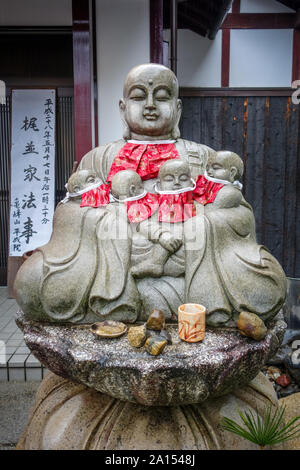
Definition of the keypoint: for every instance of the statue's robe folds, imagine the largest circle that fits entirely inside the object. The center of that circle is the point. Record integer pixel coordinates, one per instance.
(83, 269)
(226, 270)
(83, 273)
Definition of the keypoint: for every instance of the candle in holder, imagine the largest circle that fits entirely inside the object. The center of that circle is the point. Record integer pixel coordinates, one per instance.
(191, 322)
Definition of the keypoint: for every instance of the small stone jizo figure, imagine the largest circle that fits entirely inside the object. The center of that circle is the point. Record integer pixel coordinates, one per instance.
(81, 181)
(174, 180)
(222, 167)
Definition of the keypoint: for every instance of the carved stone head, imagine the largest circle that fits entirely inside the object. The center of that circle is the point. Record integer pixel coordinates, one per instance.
(82, 179)
(126, 183)
(150, 107)
(174, 175)
(225, 165)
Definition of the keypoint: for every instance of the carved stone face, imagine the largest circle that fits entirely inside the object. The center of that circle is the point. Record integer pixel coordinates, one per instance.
(80, 180)
(150, 104)
(126, 183)
(220, 167)
(174, 175)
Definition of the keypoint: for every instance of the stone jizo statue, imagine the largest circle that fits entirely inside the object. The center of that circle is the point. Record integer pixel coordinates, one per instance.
(92, 267)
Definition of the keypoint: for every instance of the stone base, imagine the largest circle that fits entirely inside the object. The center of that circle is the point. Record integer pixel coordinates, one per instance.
(72, 416)
(183, 374)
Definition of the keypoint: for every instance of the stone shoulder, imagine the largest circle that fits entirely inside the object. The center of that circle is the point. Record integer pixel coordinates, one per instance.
(88, 159)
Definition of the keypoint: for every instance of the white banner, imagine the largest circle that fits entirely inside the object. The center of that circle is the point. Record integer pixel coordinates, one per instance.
(32, 169)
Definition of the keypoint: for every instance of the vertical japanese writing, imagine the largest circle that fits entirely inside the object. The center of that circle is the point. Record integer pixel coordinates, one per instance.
(16, 233)
(32, 181)
(48, 139)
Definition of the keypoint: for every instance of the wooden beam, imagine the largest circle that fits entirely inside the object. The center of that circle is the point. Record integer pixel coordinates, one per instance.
(225, 66)
(236, 6)
(296, 55)
(259, 21)
(174, 27)
(82, 78)
(297, 21)
(156, 31)
(94, 34)
(193, 23)
(242, 92)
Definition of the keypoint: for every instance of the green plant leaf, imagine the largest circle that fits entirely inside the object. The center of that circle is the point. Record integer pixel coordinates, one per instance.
(267, 428)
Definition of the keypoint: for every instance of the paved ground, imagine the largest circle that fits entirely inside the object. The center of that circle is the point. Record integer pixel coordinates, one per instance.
(16, 399)
(16, 360)
(20, 375)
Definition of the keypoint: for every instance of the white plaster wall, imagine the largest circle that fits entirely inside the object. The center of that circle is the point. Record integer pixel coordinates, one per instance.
(199, 59)
(261, 58)
(264, 6)
(36, 13)
(122, 42)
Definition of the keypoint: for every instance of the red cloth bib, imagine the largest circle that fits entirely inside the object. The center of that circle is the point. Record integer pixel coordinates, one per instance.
(142, 209)
(206, 191)
(96, 197)
(144, 159)
(176, 207)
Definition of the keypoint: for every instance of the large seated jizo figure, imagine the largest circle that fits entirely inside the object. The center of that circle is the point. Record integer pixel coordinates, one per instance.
(85, 273)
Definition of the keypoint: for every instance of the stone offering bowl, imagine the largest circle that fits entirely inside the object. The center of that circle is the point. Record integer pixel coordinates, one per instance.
(184, 373)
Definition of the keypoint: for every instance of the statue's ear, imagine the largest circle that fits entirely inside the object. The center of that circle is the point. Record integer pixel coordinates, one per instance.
(233, 173)
(132, 190)
(176, 131)
(126, 131)
(122, 106)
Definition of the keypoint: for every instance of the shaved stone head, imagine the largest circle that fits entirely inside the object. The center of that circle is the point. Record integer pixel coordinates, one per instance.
(126, 183)
(148, 74)
(175, 174)
(150, 108)
(81, 179)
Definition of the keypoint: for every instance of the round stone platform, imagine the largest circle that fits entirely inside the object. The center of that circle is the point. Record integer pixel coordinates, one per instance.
(183, 374)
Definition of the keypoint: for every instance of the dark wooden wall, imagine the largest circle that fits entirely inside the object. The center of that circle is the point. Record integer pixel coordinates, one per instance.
(264, 131)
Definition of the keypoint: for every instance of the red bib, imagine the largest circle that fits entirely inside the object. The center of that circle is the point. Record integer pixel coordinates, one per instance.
(142, 209)
(176, 207)
(144, 159)
(206, 191)
(96, 197)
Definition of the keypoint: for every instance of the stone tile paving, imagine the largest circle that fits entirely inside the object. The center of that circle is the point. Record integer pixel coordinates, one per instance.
(16, 360)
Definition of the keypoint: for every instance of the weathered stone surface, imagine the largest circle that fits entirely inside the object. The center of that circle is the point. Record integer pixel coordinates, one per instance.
(137, 336)
(292, 404)
(185, 373)
(166, 335)
(156, 320)
(251, 325)
(69, 416)
(155, 345)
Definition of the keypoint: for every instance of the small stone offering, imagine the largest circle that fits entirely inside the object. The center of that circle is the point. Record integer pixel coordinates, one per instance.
(166, 335)
(108, 329)
(283, 380)
(137, 336)
(155, 345)
(156, 320)
(251, 325)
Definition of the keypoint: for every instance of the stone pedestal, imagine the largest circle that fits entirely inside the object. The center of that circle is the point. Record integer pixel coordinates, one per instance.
(72, 416)
(105, 394)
